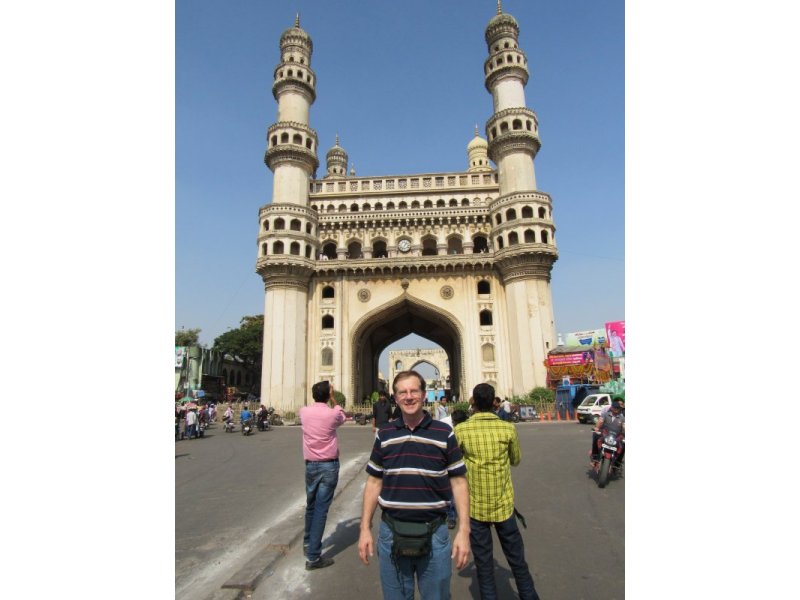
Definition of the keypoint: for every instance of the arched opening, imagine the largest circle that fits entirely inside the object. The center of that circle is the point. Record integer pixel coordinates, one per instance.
(484, 287)
(295, 248)
(513, 238)
(379, 249)
(329, 251)
(391, 323)
(295, 225)
(454, 245)
(511, 214)
(527, 212)
(544, 237)
(542, 212)
(480, 244)
(277, 248)
(485, 318)
(328, 292)
(530, 236)
(429, 246)
(327, 322)
(354, 250)
(280, 223)
(327, 357)
(428, 204)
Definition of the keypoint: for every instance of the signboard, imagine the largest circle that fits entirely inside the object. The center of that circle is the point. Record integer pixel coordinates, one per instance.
(591, 337)
(180, 356)
(616, 338)
(574, 358)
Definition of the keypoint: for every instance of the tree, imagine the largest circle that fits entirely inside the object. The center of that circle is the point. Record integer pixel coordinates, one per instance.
(186, 337)
(245, 343)
(541, 394)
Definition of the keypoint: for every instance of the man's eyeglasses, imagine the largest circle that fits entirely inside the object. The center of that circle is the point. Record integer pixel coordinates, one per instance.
(412, 393)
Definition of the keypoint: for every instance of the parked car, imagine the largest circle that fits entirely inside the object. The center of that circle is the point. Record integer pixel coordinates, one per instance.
(589, 410)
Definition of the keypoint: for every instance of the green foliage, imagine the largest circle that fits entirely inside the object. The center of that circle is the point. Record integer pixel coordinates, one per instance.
(373, 397)
(451, 406)
(340, 398)
(541, 394)
(186, 337)
(245, 342)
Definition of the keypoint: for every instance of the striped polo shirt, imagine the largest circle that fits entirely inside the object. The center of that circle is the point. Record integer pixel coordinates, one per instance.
(415, 468)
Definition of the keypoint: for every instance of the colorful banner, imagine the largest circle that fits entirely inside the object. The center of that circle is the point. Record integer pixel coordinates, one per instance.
(616, 338)
(180, 354)
(574, 358)
(590, 337)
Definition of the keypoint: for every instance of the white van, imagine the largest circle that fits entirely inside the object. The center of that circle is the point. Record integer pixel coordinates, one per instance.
(589, 410)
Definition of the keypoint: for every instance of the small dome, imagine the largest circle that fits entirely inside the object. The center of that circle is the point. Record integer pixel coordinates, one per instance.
(296, 32)
(337, 150)
(477, 142)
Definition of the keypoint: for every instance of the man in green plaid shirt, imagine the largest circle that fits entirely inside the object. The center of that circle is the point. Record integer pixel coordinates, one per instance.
(490, 446)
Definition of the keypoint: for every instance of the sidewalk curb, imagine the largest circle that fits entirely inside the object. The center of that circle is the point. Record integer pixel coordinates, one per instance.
(246, 579)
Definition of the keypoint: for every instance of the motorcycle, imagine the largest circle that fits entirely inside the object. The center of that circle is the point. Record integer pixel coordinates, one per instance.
(228, 425)
(264, 420)
(606, 466)
(246, 427)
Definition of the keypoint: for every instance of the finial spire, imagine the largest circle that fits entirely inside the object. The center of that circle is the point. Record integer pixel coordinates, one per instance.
(476, 129)
(337, 139)
(297, 18)
(499, 8)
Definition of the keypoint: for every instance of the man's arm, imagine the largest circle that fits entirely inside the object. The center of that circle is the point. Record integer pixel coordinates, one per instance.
(461, 539)
(514, 453)
(372, 490)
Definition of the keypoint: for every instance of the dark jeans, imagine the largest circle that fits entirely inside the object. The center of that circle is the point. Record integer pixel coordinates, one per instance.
(480, 538)
(321, 481)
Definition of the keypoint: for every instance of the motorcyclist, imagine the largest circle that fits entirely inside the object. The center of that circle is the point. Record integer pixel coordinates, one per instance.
(261, 418)
(611, 420)
(245, 416)
(227, 417)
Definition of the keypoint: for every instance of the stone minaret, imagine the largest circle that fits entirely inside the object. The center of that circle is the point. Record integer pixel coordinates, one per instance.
(525, 264)
(287, 240)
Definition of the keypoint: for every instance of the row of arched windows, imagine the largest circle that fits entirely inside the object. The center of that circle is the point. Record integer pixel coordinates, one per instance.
(527, 213)
(280, 248)
(294, 225)
(484, 317)
(529, 238)
(484, 287)
(402, 205)
(516, 124)
(508, 59)
(297, 139)
(301, 75)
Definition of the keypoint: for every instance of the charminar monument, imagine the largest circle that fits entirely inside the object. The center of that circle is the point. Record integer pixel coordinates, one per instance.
(352, 264)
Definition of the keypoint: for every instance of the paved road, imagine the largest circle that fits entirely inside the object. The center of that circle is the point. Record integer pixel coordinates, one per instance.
(239, 518)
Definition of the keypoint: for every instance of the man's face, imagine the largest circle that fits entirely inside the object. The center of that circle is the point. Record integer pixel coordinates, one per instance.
(409, 395)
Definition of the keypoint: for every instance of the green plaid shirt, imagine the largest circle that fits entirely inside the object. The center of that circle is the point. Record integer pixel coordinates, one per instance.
(490, 447)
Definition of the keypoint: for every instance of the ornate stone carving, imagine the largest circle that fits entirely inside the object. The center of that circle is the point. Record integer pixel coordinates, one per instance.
(364, 295)
(446, 292)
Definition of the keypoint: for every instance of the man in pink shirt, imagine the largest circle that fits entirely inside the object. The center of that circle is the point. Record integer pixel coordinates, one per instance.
(321, 452)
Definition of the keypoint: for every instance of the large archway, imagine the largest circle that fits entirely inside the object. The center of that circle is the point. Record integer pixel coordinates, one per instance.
(394, 321)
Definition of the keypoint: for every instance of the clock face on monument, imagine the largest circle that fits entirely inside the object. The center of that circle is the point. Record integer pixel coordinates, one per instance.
(404, 245)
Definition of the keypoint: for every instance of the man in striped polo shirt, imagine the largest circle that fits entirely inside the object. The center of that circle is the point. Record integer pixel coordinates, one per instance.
(414, 470)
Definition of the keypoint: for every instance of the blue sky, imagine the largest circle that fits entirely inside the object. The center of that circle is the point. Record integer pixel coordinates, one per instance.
(402, 84)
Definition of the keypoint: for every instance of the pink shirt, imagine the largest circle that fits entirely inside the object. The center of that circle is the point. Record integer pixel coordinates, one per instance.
(319, 423)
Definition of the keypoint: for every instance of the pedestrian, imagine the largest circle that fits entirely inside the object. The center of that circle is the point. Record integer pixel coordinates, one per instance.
(441, 410)
(491, 447)
(321, 453)
(381, 411)
(414, 471)
(191, 423)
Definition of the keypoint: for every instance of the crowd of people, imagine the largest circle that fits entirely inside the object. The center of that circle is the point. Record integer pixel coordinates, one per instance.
(193, 416)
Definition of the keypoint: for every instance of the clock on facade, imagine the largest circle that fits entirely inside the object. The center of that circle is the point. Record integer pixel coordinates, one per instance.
(404, 245)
